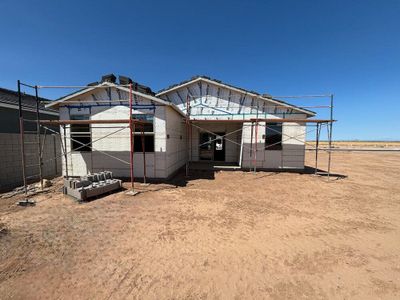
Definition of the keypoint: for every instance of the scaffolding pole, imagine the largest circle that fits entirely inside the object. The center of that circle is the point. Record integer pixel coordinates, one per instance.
(316, 147)
(187, 134)
(256, 142)
(190, 141)
(131, 132)
(144, 155)
(330, 138)
(21, 136)
(65, 151)
(38, 136)
(78, 86)
(251, 143)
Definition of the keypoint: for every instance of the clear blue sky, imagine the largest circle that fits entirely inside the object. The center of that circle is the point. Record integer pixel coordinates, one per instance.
(349, 48)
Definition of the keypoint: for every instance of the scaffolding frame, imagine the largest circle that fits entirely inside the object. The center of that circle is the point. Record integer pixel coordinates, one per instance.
(40, 123)
(255, 122)
(190, 123)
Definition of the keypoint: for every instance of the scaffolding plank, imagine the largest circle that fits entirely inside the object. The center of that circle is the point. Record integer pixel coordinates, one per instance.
(278, 120)
(116, 121)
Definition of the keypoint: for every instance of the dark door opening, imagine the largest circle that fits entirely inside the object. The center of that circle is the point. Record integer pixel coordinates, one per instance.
(206, 146)
(212, 146)
(219, 147)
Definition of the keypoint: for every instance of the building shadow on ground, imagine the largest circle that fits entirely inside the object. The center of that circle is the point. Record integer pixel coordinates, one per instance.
(323, 173)
(208, 172)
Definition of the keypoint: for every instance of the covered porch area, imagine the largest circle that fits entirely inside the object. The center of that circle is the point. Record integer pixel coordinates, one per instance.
(215, 143)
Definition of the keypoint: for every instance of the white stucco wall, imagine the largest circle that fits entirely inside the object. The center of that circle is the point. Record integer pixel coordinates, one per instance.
(117, 144)
(176, 153)
(293, 145)
(212, 102)
(292, 153)
(208, 102)
(232, 141)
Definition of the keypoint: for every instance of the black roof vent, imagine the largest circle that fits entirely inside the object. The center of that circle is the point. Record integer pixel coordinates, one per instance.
(124, 80)
(109, 78)
(142, 88)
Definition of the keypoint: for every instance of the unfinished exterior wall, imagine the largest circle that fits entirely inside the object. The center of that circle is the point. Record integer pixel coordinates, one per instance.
(291, 156)
(158, 165)
(210, 101)
(176, 153)
(293, 145)
(11, 165)
(212, 105)
(232, 149)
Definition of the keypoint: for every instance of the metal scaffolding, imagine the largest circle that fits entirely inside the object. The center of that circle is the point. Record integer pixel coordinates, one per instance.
(131, 123)
(43, 124)
(254, 123)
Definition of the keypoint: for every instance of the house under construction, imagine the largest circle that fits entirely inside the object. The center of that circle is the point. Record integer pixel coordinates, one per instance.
(125, 128)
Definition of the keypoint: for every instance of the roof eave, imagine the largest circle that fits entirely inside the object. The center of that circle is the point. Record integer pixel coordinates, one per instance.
(90, 88)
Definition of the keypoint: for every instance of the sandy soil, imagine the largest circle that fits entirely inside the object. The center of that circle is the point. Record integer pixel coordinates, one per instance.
(228, 235)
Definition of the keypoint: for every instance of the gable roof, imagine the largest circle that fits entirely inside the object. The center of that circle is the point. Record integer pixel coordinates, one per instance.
(234, 88)
(124, 88)
(10, 99)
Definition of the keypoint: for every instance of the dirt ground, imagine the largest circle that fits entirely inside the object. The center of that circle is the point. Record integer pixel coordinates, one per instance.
(224, 235)
(361, 144)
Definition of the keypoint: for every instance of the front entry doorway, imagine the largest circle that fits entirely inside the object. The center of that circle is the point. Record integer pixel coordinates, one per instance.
(212, 146)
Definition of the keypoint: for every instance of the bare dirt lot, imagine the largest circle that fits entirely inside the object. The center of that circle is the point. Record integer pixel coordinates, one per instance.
(361, 144)
(228, 235)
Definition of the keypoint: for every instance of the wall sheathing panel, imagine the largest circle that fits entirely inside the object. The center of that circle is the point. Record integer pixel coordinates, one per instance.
(117, 144)
(176, 153)
(293, 145)
(290, 156)
(211, 102)
(232, 149)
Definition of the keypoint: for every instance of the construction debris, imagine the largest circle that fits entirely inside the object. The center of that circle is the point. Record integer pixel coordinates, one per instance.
(26, 202)
(32, 189)
(91, 185)
(46, 183)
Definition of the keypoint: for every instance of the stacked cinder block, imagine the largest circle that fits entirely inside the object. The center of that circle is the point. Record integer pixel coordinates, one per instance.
(91, 185)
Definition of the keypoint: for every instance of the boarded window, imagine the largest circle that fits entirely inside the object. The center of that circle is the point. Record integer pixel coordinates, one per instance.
(81, 137)
(273, 136)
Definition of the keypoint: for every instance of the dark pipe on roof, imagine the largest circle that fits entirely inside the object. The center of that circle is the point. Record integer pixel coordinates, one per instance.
(109, 78)
(124, 80)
